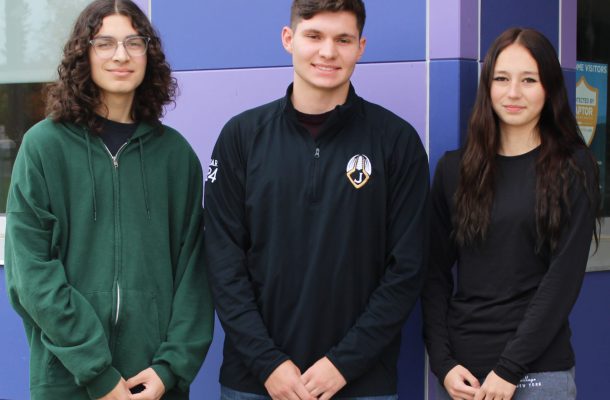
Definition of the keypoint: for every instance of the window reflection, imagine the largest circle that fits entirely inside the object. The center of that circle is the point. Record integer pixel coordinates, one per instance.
(21, 106)
(32, 35)
(593, 45)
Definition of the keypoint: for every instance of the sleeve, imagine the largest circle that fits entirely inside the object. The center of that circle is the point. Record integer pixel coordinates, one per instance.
(226, 244)
(37, 284)
(191, 326)
(438, 286)
(406, 225)
(550, 307)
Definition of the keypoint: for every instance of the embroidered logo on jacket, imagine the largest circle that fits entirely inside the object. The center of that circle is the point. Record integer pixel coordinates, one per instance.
(212, 171)
(359, 170)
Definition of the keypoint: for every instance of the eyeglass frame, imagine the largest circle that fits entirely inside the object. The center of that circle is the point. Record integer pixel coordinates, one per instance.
(122, 43)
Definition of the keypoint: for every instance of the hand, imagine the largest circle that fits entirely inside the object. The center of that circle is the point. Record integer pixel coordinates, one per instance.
(461, 384)
(284, 383)
(153, 385)
(323, 379)
(120, 392)
(495, 388)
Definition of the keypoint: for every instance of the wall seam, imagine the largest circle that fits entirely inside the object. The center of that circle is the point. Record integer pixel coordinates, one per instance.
(559, 34)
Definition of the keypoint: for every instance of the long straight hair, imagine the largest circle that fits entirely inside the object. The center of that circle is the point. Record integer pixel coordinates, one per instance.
(555, 165)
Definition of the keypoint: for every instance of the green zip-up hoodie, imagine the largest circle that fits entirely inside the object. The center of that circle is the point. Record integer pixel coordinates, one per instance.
(103, 260)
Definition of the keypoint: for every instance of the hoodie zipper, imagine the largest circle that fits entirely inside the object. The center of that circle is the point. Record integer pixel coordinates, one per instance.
(117, 228)
(314, 183)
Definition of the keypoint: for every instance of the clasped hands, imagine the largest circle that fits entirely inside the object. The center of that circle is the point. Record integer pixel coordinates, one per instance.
(462, 385)
(321, 381)
(153, 387)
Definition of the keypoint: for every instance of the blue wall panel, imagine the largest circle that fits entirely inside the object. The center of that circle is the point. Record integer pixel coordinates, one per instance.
(453, 85)
(498, 15)
(218, 34)
(590, 322)
(14, 353)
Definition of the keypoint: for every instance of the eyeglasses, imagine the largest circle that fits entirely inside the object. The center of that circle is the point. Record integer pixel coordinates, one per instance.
(105, 47)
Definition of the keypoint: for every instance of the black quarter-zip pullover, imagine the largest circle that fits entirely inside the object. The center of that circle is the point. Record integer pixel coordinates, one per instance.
(315, 247)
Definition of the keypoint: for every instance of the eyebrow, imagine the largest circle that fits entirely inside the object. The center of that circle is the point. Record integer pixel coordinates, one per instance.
(341, 35)
(522, 73)
(112, 37)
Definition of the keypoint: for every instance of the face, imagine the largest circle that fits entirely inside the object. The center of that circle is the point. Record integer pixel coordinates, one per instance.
(325, 49)
(517, 94)
(120, 75)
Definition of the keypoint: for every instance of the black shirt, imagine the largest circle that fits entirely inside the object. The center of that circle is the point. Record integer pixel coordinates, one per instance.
(509, 310)
(115, 134)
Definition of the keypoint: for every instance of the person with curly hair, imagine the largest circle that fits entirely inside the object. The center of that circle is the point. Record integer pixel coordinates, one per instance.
(105, 224)
(515, 211)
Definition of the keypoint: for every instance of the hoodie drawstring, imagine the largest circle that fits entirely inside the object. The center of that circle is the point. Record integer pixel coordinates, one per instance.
(92, 176)
(144, 187)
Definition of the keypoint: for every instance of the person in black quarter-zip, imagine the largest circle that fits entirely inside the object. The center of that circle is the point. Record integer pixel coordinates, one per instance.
(315, 235)
(105, 224)
(514, 210)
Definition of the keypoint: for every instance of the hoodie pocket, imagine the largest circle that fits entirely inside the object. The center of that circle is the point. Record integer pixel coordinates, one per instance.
(137, 332)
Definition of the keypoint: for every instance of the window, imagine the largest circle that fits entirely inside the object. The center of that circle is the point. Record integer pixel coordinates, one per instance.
(32, 35)
(593, 54)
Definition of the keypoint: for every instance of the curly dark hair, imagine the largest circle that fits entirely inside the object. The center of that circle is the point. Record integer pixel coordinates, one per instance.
(74, 97)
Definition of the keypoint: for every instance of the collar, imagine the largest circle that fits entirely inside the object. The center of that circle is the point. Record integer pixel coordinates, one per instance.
(339, 115)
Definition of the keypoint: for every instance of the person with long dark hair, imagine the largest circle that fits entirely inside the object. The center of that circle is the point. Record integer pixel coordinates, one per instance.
(515, 211)
(105, 224)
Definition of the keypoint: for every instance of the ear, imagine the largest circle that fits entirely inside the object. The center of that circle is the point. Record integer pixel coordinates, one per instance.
(287, 36)
(361, 47)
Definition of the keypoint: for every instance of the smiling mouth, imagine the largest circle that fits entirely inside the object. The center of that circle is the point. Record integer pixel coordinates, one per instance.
(326, 68)
(120, 72)
(514, 109)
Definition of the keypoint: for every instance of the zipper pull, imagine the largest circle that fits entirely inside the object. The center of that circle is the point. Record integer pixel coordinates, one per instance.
(317, 153)
(115, 162)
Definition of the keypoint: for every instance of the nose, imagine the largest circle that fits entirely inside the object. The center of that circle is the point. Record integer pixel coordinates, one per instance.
(514, 91)
(328, 49)
(120, 54)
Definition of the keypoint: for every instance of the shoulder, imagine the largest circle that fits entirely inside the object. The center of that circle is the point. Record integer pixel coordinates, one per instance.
(396, 135)
(450, 160)
(173, 145)
(386, 120)
(45, 131)
(447, 170)
(254, 118)
(584, 158)
(175, 138)
(586, 166)
(47, 138)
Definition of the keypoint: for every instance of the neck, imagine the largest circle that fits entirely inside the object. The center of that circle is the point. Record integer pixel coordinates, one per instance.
(309, 100)
(116, 108)
(515, 141)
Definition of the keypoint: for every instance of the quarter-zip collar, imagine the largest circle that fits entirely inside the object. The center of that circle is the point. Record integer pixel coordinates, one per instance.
(336, 120)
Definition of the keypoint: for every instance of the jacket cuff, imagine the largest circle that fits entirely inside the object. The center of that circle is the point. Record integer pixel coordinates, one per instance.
(444, 370)
(343, 370)
(509, 371)
(103, 384)
(264, 373)
(166, 375)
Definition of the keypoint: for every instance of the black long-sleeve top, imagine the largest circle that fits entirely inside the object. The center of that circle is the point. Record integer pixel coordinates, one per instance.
(309, 254)
(509, 311)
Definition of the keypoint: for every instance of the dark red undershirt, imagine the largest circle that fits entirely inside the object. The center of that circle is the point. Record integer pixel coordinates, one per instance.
(313, 122)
